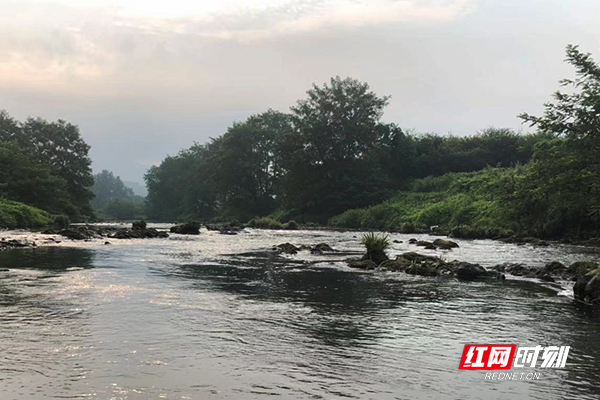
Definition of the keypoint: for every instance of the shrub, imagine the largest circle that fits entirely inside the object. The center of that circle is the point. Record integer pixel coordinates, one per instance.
(19, 215)
(61, 221)
(350, 219)
(291, 225)
(376, 244)
(265, 223)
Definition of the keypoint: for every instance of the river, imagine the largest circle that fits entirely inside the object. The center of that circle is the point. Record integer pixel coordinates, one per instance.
(197, 317)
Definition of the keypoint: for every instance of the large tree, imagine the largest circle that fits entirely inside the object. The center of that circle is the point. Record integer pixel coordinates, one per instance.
(46, 164)
(247, 171)
(59, 146)
(328, 159)
(564, 177)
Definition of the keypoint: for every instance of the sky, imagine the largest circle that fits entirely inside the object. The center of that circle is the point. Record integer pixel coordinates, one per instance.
(144, 79)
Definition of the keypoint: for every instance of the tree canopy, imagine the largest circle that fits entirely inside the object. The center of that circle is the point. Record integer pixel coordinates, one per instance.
(46, 164)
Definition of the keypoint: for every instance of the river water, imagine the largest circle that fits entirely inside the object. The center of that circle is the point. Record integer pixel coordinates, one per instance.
(197, 317)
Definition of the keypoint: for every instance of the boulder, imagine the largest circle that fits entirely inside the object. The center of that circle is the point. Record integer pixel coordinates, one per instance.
(412, 241)
(138, 225)
(323, 247)
(587, 287)
(546, 277)
(376, 256)
(469, 272)
(396, 241)
(287, 248)
(74, 234)
(580, 268)
(445, 244)
(554, 267)
(188, 228)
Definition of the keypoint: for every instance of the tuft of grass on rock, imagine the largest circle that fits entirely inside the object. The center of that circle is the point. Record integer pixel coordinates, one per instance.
(376, 244)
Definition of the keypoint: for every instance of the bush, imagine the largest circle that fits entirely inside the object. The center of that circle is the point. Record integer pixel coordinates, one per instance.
(376, 244)
(18, 215)
(350, 219)
(265, 223)
(291, 225)
(61, 221)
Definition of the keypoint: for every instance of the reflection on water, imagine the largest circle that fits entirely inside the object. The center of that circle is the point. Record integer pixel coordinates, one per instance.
(179, 319)
(55, 258)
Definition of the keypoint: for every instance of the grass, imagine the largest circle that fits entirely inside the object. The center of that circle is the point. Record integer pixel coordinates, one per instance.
(463, 201)
(375, 242)
(15, 215)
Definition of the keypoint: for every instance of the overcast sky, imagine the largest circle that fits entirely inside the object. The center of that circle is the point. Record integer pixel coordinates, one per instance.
(146, 78)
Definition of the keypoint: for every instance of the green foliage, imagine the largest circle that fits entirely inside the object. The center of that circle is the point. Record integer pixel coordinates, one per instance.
(291, 225)
(265, 223)
(17, 215)
(467, 199)
(375, 242)
(123, 210)
(61, 221)
(107, 188)
(45, 164)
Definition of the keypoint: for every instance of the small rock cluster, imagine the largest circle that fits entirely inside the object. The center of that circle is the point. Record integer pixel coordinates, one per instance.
(13, 244)
(443, 244)
(289, 248)
(417, 264)
(88, 232)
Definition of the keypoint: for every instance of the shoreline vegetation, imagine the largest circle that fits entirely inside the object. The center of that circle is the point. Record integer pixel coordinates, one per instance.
(332, 162)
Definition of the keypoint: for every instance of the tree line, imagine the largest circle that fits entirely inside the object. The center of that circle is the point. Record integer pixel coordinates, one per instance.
(330, 153)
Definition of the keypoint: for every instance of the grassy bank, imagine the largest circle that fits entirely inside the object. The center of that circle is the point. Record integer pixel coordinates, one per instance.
(18, 215)
(469, 204)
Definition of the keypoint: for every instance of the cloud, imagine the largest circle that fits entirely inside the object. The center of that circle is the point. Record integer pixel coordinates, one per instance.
(257, 21)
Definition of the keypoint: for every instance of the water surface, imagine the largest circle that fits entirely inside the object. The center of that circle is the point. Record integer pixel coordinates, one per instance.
(190, 318)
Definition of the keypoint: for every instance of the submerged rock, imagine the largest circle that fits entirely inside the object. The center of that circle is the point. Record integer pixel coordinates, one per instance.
(149, 233)
(322, 247)
(362, 264)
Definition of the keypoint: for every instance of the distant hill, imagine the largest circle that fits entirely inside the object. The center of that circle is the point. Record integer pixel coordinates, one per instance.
(138, 188)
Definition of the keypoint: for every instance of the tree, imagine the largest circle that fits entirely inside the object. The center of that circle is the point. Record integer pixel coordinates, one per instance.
(327, 158)
(107, 188)
(565, 174)
(247, 171)
(25, 181)
(59, 146)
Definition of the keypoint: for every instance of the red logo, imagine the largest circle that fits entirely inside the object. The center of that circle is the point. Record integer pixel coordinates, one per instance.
(487, 356)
